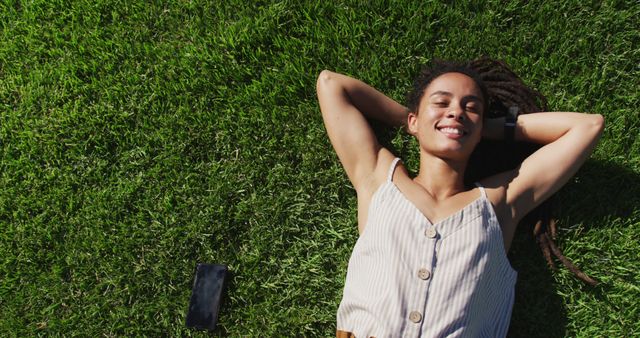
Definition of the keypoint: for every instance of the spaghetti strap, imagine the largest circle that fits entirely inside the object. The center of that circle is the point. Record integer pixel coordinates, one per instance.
(392, 168)
(484, 193)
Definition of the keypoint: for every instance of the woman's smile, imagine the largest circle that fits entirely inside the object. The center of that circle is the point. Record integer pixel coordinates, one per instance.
(453, 131)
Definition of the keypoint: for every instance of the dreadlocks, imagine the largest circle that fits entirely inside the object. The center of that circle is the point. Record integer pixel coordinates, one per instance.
(501, 88)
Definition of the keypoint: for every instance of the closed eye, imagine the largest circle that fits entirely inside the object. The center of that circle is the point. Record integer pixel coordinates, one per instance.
(472, 104)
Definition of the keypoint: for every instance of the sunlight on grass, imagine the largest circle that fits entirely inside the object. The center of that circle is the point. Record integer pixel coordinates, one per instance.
(138, 139)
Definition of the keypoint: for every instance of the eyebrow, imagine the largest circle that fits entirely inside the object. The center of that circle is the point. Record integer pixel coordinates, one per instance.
(467, 98)
(440, 92)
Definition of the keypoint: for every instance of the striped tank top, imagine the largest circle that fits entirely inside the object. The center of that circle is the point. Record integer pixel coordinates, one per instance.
(408, 277)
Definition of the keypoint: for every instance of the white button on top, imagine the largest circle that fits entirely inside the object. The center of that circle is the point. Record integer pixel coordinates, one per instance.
(424, 274)
(415, 316)
(431, 232)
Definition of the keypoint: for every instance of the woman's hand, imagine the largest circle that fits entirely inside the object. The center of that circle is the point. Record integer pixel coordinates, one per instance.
(540, 128)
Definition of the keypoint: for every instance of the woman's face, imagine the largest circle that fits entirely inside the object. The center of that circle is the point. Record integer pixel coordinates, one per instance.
(448, 123)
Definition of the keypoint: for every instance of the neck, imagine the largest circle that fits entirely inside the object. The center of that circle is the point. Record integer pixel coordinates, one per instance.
(441, 178)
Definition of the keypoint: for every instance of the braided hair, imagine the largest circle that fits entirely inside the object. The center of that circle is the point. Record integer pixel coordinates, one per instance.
(501, 88)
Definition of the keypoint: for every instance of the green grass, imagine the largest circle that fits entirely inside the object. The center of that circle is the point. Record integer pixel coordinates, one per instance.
(139, 139)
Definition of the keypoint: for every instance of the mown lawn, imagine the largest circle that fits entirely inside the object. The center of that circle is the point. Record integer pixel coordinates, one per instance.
(137, 139)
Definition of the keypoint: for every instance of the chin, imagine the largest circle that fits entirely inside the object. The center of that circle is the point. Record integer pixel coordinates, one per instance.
(452, 152)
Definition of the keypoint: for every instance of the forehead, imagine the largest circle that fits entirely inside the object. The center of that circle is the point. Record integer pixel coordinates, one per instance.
(457, 84)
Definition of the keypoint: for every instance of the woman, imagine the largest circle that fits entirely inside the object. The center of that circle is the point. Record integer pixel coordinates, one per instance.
(431, 257)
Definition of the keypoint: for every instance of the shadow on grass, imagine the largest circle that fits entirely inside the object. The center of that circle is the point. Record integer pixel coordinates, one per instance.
(538, 310)
(599, 192)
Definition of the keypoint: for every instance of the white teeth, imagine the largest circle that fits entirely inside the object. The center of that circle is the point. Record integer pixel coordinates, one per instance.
(449, 130)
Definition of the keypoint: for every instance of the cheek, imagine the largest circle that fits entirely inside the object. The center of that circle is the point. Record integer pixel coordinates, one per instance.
(429, 117)
(479, 121)
(476, 119)
(433, 112)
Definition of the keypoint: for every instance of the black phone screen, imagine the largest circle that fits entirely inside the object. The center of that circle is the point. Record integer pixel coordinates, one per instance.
(206, 296)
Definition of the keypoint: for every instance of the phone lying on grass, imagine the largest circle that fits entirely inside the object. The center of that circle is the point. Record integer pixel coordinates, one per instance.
(206, 295)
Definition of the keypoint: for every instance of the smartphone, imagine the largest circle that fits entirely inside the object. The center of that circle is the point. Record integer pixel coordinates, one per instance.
(206, 295)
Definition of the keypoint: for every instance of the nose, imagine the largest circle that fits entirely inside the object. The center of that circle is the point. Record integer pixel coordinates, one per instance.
(456, 113)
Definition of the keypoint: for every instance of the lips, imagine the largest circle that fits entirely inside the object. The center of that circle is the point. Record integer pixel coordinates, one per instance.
(452, 131)
(449, 130)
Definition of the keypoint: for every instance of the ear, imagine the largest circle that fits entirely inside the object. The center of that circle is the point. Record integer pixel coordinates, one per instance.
(412, 123)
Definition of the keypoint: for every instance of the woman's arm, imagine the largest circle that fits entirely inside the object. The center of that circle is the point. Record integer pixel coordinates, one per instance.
(346, 104)
(567, 138)
(542, 129)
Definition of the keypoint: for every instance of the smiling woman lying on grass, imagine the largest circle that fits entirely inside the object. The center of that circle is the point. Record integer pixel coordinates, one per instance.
(431, 257)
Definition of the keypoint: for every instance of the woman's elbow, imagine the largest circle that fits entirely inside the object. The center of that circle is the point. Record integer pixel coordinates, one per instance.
(596, 121)
(324, 78)
(592, 126)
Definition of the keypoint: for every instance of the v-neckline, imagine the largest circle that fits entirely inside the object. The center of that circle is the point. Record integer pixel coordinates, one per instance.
(415, 207)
